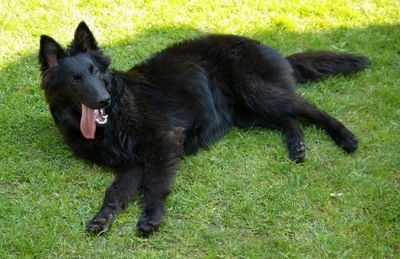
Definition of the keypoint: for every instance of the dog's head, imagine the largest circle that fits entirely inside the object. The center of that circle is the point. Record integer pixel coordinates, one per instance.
(78, 75)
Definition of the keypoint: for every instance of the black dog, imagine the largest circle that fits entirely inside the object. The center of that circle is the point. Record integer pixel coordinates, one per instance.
(142, 121)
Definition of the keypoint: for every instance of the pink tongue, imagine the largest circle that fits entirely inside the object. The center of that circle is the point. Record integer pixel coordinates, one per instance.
(88, 124)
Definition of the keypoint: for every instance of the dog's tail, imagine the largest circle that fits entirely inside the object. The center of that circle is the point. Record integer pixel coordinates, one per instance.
(313, 65)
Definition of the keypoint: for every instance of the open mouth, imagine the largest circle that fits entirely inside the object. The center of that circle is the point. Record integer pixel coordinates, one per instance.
(100, 117)
(91, 118)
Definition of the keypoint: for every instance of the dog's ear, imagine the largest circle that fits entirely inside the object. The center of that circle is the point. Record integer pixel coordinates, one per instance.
(84, 39)
(50, 52)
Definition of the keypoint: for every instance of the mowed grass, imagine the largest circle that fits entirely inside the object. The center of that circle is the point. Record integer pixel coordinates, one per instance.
(240, 198)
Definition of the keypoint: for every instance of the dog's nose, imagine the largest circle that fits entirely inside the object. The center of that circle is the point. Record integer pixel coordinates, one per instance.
(105, 102)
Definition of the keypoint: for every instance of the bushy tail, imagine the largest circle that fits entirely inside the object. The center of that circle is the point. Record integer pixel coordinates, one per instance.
(313, 65)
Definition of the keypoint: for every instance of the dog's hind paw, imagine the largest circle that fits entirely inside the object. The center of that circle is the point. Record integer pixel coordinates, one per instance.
(297, 151)
(346, 140)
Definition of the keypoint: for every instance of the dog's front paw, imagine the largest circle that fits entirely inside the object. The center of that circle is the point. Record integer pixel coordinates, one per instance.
(148, 224)
(101, 222)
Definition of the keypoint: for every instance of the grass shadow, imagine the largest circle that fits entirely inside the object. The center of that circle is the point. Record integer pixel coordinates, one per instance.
(25, 116)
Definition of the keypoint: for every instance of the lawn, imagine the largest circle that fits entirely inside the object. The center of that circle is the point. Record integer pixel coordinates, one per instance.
(240, 198)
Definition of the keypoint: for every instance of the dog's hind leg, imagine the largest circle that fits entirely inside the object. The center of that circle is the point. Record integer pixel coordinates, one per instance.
(290, 127)
(273, 106)
(280, 104)
(343, 137)
(117, 197)
(294, 139)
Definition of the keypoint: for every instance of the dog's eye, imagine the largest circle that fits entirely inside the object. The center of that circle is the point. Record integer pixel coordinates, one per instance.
(95, 71)
(74, 81)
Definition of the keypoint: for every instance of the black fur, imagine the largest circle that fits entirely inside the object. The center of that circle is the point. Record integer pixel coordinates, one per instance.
(179, 100)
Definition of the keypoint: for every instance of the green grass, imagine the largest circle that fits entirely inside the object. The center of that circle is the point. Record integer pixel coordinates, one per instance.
(241, 198)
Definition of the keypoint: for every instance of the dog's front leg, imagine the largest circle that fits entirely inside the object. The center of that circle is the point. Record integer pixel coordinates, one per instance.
(117, 196)
(161, 165)
(155, 189)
